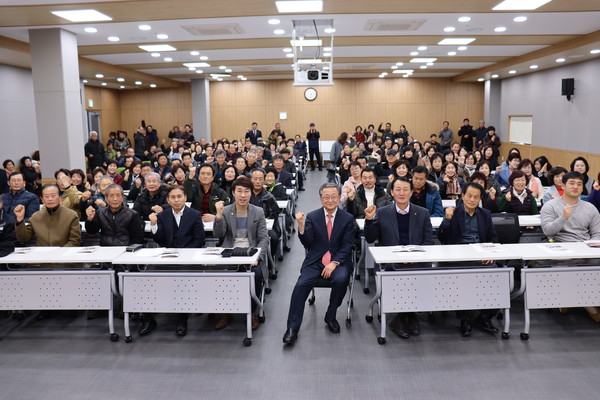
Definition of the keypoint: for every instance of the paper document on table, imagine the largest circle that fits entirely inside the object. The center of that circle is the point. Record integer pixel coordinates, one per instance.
(22, 250)
(89, 249)
(592, 243)
(170, 253)
(201, 255)
(486, 247)
(216, 251)
(406, 249)
(555, 248)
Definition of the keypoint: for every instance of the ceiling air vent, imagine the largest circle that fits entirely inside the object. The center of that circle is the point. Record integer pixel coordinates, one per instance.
(393, 25)
(214, 29)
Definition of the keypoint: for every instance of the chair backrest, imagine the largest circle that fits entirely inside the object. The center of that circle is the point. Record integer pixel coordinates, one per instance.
(382, 181)
(507, 227)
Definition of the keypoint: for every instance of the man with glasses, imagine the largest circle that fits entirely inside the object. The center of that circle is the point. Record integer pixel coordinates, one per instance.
(328, 234)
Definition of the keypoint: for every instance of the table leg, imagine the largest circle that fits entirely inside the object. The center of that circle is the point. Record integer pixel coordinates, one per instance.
(525, 333)
(522, 287)
(128, 338)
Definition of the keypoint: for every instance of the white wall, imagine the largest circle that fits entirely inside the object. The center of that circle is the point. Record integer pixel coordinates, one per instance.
(18, 128)
(557, 123)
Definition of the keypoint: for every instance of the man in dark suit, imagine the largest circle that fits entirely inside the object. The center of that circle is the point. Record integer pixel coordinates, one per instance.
(179, 227)
(253, 134)
(313, 136)
(400, 223)
(469, 223)
(328, 235)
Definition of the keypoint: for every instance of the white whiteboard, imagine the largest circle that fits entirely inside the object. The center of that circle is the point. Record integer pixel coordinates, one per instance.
(520, 128)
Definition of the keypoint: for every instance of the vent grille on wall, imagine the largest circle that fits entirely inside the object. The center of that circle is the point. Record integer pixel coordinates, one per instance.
(214, 29)
(390, 25)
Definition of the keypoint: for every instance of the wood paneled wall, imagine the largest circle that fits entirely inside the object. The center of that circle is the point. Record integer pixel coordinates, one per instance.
(420, 104)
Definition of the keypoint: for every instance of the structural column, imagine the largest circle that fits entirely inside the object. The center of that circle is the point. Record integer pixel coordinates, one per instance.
(201, 108)
(492, 105)
(58, 100)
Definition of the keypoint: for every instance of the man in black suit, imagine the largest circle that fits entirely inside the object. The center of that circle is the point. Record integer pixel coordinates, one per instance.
(253, 134)
(400, 223)
(469, 223)
(179, 227)
(328, 235)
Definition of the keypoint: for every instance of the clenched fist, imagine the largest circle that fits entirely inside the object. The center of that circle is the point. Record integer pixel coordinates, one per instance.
(300, 220)
(153, 218)
(370, 211)
(20, 212)
(90, 212)
(449, 212)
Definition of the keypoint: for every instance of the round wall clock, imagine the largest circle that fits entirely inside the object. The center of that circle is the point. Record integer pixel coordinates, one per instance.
(310, 94)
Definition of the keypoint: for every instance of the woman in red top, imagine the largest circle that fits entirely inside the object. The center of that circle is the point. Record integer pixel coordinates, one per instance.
(359, 136)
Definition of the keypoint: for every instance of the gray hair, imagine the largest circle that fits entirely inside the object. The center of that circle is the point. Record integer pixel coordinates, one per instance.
(93, 133)
(115, 186)
(327, 185)
(149, 174)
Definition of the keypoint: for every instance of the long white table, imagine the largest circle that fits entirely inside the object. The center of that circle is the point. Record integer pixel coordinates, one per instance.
(188, 292)
(59, 289)
(284, 206)
(561, 286)
(208, 226)
(440, 289)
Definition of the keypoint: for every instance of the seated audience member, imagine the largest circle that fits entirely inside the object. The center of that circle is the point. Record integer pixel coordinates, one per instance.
(263, 199)
(17, 195)
(469, 223)
(467, 167)
(178, 175)
(425, 194)
(79, 180)
(485, 168)
(542, 167)
(97, 174)
(9, 167)
(242, 224)
(97, 199)
(535, 185)
(290, 167)
(581, 165)
(137, 180)
(518, 199)
(229, 176)
(400, 223)
(152, 198)
(385, 168)
(272, 186)
(492, 140)
(337, 148)
(328, 235)
(489, 199)
(366, 194)
(203, 192)
(207, 156)
(450, 183)
(31, 174)
(569, 219)
(111, 170)
(163, 169)
(70, 195)
(511, 165)
(488, 155)
(437, 162)
(53, 225)
(352, 182)
(594, 197)
(219, 165)
(241, 167)
(175, 227)
(284, 177)
(400, 169)
(409, 155)
(425, 159)
(555, 176)
(8, 238)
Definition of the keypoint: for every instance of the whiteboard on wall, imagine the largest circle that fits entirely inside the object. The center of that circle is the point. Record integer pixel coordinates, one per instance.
(520, 128)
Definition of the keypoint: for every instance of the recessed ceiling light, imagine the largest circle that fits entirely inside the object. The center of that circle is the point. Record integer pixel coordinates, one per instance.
(464, 19)
(120, 79)
(192, 68)
(394, 67)
(162, 36)
(138, 82)
(273, 21)
(405, 76)
(480, 80)
(455, 41)
(222, 67)
(399, 64)
(512, 71)
(327, 54)
(307, 43)
(429, 64)
(99, 76)
(220, 79)
(403, 71)
(595, 51)
(220, 75)
(329, 30)
(228, 70)
(85, 81)
(168, 59)
(422, 48)
(462, 48)
(203, 58)
(82, 15)
(449, 29)
(155, 54)
(325, 68)
(520, 5)
(244, 79)
(533, 66)
(287, 50)
(560, 60)
(194, 53)
(90, 29)
(289, 55)
(196, 64)
(495, 76)
(113, 39)
(451, 53)
(309, 61)
(279, 31)
(104, 83)
(423, 60)
(144, 27)
(414, 53)
(121, 87)
(500, 29)
(153, 85)
(298, 6)
(157, 47)
(423, 67)
(520, 19)
(384, 73)
(199, 71)
(327, 49)
(240, 76)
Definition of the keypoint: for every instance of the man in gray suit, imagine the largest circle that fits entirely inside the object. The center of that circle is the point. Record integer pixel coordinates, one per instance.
(242, 224)
(400, 223)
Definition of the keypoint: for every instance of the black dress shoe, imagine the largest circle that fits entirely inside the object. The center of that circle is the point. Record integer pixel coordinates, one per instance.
(301, 189)
(148, 325)
(486, 325)
(413, 326)
(290, 336)
(333, 326)
(397, 325)
(466, 327)
(320, 169)
(181, 329)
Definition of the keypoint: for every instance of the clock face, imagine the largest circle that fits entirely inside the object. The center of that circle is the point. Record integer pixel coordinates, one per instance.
(310, 94)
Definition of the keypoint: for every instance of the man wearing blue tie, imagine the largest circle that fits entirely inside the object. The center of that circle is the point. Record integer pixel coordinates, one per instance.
(328, 235)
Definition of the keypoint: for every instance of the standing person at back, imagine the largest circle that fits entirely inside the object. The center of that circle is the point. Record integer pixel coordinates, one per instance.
(253, 134)
(313, 136)
(94, 151)
(446, 136)
(466, 135)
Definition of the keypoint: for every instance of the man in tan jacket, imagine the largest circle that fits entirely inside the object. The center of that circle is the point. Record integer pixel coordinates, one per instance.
(53, 225)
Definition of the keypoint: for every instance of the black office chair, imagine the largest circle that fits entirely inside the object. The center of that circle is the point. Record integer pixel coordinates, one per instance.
(507, 227)
(383, 181)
